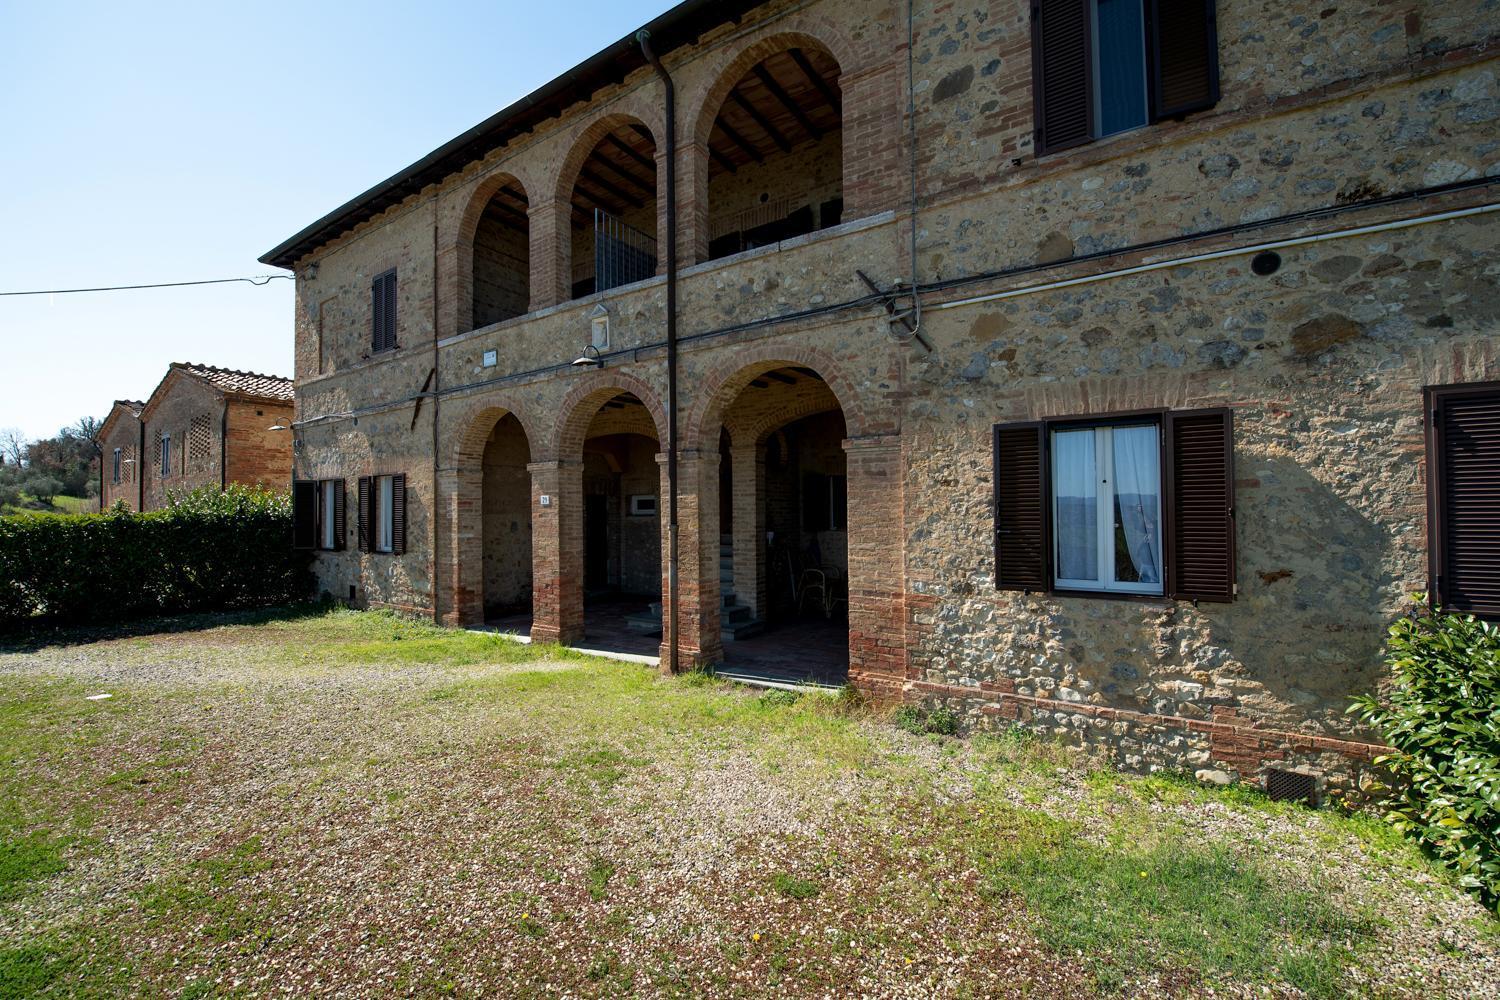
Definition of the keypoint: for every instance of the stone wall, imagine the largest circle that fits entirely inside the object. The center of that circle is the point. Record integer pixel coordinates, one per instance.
(507, 520)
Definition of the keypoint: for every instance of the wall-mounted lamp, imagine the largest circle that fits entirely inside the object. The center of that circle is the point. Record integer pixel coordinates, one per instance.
(589, 359)
(278, 427)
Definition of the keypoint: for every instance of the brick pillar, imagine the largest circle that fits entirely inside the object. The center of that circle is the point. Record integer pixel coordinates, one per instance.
(692, 204)
(557, 551)
(872, 161)
(748, 480)
(698, 560)
(551, 225)
(877, 619)
(459, 585)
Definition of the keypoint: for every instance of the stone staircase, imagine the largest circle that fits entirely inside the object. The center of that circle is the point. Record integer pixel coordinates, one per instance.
(736, 621)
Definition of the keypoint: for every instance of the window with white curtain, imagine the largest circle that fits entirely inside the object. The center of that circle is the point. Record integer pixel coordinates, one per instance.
(385, 514)
(327, 501)
(1106, 508)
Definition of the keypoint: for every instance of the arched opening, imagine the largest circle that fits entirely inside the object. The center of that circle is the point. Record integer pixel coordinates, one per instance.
(776, 153)
(622, 527)
(505, 532)
(501, 257)
(613, 205)
(783, 532)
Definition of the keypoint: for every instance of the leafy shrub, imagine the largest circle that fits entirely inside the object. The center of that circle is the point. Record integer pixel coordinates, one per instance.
(209, 550)
(42, 488)
(918, 720)
(1442, 717)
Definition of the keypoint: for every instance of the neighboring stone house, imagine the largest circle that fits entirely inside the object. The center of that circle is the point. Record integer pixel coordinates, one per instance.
(120, 440)
(1198, 384)
(202, 426)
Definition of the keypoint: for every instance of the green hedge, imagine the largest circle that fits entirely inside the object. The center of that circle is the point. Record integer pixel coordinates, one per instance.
(209, 550)
(1442, 717)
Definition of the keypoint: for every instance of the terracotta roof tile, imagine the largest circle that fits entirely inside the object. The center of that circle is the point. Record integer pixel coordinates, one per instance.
(245, 383)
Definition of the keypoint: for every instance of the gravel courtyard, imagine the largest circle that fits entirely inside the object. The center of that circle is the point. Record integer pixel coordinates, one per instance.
(349, 804)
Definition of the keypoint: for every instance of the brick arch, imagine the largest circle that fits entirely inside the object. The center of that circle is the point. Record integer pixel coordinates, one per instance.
(584, 400)
(466, 448)
(739, 63)
(465, 231)
(463, 549)
(588, 139)
(759, 432)
(724, 384)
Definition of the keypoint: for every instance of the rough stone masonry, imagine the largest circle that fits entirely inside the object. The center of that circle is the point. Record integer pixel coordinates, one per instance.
(1108, 282)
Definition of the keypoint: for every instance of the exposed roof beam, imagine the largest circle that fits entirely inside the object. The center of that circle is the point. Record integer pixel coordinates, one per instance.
(815, 78)
(781, 377)
(741, 141)
(769, 81)
(760, 384)
(630, 151)
(644, 133)
(761, 120)
(647, 186)
(515, 193)
(722, 160)
(506, 214)
(634, 201)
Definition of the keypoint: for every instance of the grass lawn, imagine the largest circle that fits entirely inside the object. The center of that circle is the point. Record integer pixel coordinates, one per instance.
(350, 804)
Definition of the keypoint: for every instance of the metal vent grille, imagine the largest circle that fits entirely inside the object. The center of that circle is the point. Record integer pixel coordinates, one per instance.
(1284, 786)
(200, 439)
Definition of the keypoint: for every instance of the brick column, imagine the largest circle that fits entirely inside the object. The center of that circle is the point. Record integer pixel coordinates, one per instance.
(459, 586)
(872, 157)
(692, 204)
(698, 560)
(551, 226)
(877, 618)
(557, 552)
(748, 479)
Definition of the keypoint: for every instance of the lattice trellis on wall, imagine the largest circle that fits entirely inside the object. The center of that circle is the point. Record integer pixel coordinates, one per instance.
(200, 440)
(127, 464)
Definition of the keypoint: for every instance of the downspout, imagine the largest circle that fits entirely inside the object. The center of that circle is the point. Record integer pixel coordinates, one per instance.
(140, 470)
(911, 116)
(437, 402)
(644, 37)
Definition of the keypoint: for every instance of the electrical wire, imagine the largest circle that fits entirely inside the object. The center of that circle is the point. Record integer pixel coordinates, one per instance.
(256, 280)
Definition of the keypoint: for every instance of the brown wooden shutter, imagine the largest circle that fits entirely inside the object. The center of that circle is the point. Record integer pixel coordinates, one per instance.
(340, 523)
(1060, 74)
(1199, 526)
(304, 515)
(383, 312)
(1463, 461)
(398, 514)
(364, 518)
(1022, 523)
(1185, 56)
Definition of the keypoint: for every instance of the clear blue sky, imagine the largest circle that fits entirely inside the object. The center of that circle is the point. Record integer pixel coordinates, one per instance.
(149, 142)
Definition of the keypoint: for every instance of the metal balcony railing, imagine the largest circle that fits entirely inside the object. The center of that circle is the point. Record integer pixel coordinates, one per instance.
(622, 253)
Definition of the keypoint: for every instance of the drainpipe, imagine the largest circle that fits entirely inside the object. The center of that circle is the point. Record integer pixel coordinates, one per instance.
(224, 447)
(140, 471)
(437, 402)
(644, 37)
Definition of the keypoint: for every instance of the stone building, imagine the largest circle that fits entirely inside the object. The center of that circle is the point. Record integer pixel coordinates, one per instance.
(1117, 369)
(201, 426)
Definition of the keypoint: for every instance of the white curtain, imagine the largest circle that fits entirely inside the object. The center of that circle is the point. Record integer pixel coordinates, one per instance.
(1137, 489)
(1076, 492)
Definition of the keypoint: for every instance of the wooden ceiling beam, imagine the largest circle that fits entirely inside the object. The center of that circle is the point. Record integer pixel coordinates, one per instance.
(781, 377)
(741, 141)
(722, 160)
(636, 155)
(614, 190)
(649, 187)
(769, 82)
(816, 79)
(761, 120)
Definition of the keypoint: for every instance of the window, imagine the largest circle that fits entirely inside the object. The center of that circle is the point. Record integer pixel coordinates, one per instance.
(382, 514)
(824, 506)
(1106, 508)
(643, 505)
(166, 455)
(1100, 67)
(328, 503)
(1463, 497)
(1140, 504)
(383, 312)
(117, 467)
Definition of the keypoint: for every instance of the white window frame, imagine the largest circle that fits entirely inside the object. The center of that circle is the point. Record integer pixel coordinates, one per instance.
(1104, 542)
(385, 519)
(327, 540)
